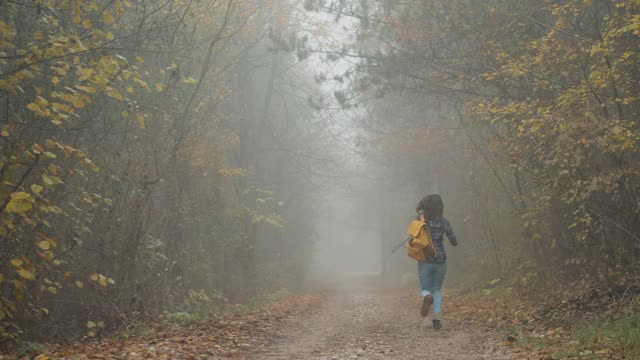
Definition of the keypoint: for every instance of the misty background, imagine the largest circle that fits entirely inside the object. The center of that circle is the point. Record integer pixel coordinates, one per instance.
(185, 156)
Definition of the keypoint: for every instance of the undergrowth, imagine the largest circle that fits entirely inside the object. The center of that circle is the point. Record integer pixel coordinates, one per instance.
(595, 339)
(556, 321)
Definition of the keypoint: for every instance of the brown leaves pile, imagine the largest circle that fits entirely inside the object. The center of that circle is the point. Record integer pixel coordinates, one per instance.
(229, 336)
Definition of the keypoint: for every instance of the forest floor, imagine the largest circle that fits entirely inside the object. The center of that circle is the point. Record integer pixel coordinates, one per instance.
(379, 325)
(370, 321)
(337, 324)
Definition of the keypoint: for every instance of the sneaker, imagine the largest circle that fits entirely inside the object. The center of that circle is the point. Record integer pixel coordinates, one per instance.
(426, 305)
(437, 325)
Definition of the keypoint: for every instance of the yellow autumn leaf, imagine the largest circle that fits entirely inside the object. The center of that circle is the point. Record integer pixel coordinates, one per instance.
(9, 224)
(26, 274)
(84, 74)
(87, 89)
(109, 65)
(36, 189)
(77, 11)
(159, 87)
(62, 107)
(102, 280)
(75, 99)
(42, 102)
(107, 17)
(44, 245)
(17, 262)
(91, 324)
(617, 130)
(47, 180)
(26, 73)
(60, 70)
(20, 202)
(114, 93)
(33, 107)
(86, 23)
(141, 82)
(52, 290)
(79, 284)
(94, 276)
(140, 119)
(190, 80)
(49, 144)
(51, 180)
(49, 240)
(20, 196)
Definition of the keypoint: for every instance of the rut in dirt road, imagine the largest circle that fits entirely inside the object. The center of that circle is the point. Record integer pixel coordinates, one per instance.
(378, 325)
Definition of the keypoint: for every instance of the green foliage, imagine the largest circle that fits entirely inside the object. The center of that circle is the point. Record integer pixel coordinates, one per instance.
(182, 318)
(258, 301)
(28, 348)
(596, 339)
(528, 280)
(203, 302)
(623, 332)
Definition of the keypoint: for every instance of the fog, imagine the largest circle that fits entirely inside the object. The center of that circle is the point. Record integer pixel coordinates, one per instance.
(165, 156)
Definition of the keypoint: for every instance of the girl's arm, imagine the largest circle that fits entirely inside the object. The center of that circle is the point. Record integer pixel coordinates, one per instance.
(450, 234)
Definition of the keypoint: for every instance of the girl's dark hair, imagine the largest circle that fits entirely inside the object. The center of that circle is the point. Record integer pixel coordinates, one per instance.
(431, 206)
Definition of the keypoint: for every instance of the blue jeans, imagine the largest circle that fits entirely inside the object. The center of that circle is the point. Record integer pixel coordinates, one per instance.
(431, 278)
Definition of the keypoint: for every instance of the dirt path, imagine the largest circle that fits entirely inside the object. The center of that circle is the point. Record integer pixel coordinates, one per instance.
(345, 324)
(377, 325)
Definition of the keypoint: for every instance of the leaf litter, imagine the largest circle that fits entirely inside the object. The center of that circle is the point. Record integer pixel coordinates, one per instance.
(226, 337)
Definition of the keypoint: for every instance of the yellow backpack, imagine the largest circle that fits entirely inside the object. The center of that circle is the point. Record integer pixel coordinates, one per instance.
(420, 242)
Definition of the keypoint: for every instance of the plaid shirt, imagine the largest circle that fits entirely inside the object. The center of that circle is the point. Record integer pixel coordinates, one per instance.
(437, 229)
